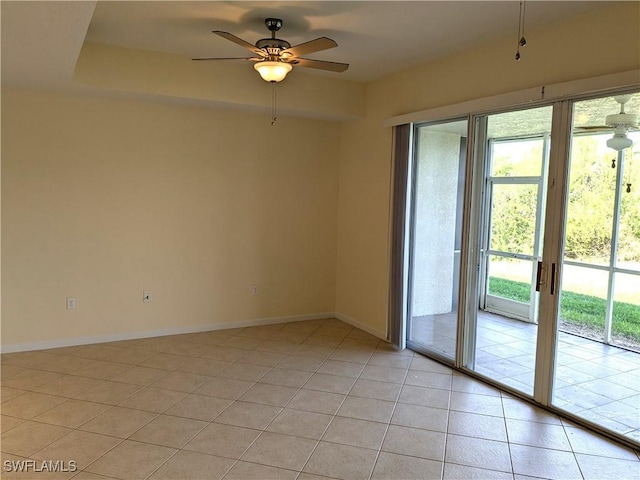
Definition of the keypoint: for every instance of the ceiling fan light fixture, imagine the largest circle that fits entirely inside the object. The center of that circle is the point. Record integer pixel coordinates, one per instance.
(272, 71)
(619, 142)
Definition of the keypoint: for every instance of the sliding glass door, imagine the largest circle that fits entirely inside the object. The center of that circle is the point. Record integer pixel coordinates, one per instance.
(525, 254)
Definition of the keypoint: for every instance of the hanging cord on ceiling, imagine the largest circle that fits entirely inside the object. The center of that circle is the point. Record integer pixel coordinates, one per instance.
(522, 42)
(274, 118)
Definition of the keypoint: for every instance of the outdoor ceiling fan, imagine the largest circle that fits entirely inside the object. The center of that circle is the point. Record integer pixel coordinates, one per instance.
(275, 57)
(621, 123)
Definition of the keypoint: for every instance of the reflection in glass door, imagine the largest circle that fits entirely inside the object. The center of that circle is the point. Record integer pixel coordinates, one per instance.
(515, 165)
(436, 236)
(597, 364)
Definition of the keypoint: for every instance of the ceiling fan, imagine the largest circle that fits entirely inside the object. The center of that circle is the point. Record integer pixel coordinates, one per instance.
(621, 123)
(275, 57)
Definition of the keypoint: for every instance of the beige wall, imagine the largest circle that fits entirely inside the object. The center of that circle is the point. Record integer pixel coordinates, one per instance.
(602, 42)
(104, 198)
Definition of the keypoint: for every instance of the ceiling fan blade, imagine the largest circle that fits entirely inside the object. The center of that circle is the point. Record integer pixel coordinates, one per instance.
(238, 41)
(255, 59)
(320, 64)
(317, 45)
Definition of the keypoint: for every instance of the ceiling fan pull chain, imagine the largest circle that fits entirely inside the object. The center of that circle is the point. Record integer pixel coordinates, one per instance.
(521, 41)
(274, 118)
(613, 163)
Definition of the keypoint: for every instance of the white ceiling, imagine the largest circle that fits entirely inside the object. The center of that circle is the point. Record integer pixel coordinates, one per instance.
(377, 38)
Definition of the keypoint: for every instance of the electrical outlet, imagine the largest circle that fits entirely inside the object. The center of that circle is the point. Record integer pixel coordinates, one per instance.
(71, 303)
(147, 296)
(255, 289)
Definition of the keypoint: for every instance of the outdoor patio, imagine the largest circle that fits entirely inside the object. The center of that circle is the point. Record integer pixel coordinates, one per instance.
(596, 381)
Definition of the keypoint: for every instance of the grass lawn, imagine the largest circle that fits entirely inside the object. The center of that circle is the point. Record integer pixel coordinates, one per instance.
(578, 309)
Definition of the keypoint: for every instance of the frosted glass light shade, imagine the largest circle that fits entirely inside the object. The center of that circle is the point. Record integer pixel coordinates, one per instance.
(273, 71)
(619, 142)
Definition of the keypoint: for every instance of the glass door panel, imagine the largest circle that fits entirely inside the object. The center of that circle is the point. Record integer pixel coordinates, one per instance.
(436, 237)
(597, 362)
(504, 333)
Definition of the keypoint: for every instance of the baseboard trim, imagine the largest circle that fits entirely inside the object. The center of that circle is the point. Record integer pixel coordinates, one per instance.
(71, 342)
(365, 328)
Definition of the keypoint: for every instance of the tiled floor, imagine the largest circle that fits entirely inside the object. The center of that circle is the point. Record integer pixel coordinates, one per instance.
(306, 400)
(598, 382)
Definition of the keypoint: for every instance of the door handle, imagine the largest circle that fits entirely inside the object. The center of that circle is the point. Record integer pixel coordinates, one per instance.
(552, 289)
(541, 276)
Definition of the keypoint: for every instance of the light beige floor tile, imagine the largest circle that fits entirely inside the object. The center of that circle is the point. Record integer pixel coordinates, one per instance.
(167, 361)
(138, 375)
(249, 415)
(243, 342)
(193, 466)
(463, 383)
(590, 443)
(199, 407)
(224, 354)
(84, 475)
(153, 399)
(253, 471)
(81, 447)
(223, 440)
(65, 364)
(305, 364)
(307, 349)
(29, 437)
(478, 452)
(7, 423)
(366, 409)
(311, 476)
(169, 431)
(427, 397)
(357, 433)
(319, 402)
(474, 403)
(421, 378)
(596, 468)
(72, 413)
(248, 373)
(182, 382)
(30, 404)
(282, 451)
(422, 363)
(378, 390)
(480, 426)
(186, 348)
(537, 434)
(97, 351)
(266, 394)
(415, 442)
(545, 463)
(131, 356)
(265, 359)
(102, 370)
(351, 355)
(111, 393)
(276, 346)
(7, 393)
(31, 379)
(33, 359)
(119, 422)
(322, 340)
(131, 460)
(286, 377)
(519, 410)
(394, 360)
(300, 423)
(224, 388)
(330, 383)
(8, 371)
(463, 472)
(204, 366)
(69, 386)
(383, 374)
(341, 461)
(345, 369)
(391, 466)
